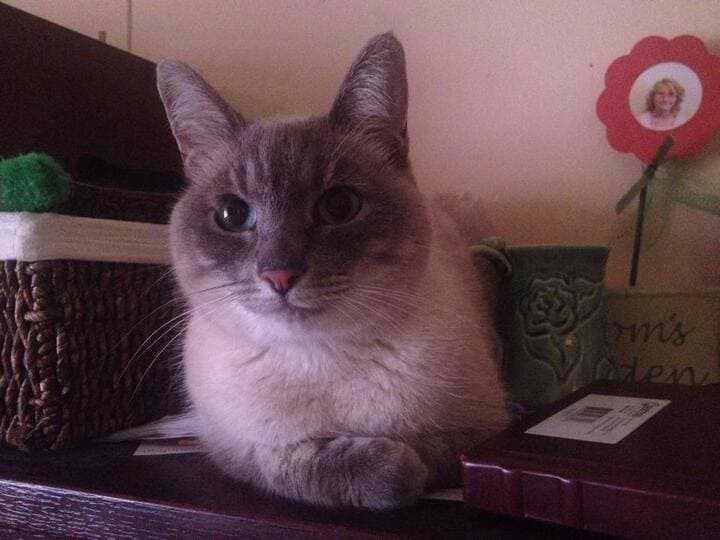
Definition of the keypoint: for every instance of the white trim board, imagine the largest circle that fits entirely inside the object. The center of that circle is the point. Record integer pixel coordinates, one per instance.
(26, 236)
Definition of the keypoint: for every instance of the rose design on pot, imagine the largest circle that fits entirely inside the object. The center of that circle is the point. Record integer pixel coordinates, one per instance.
(549, 307)
(552, 311)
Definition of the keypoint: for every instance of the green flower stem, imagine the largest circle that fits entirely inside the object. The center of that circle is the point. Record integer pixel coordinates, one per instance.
(648, 173)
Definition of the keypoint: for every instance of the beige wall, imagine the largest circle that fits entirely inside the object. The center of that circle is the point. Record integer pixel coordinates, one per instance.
(502, 99)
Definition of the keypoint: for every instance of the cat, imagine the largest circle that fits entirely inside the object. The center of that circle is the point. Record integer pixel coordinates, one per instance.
(339, 350)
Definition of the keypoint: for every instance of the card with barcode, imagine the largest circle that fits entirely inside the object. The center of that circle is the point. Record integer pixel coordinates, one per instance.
(599, 418)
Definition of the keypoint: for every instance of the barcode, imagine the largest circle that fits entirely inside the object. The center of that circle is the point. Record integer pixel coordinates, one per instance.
(644, 408)
(588, 414)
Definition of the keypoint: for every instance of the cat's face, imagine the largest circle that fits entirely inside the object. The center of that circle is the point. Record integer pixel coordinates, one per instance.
(307, 225)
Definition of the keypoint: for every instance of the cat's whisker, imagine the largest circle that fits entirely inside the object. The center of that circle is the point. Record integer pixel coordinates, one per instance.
(159, 333)
(214, 288)
(162, 277)
(421, 302)
(360, 322)
(410, 299)
(389, 299)
(349, 318)
(185, 316)
(324, 294)
(407, 306)
(210, 308)
(355, 321)
(380, 316)
(387, 319)
(388, 290)
(175, 300)
(152, 363)
(404, 305)
(144, 319)
(154, 338)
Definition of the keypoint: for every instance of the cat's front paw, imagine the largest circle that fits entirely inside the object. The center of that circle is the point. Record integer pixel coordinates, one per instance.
(385, 473)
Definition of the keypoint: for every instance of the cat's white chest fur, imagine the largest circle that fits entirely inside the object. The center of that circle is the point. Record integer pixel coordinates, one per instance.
(280, 394)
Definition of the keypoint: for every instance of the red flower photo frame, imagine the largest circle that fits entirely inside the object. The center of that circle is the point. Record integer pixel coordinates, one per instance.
(630, 77)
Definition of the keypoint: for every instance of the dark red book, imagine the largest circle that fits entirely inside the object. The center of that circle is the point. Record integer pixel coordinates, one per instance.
(661, 479)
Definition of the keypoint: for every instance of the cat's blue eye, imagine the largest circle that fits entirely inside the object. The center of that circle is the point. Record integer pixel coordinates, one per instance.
(338, 205)
(234, 214)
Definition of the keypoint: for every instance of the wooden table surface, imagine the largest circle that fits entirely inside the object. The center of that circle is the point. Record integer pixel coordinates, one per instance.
(105, 492)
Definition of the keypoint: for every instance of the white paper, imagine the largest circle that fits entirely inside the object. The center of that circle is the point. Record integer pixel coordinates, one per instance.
(599, 418)
(168, 446)
(172, 426)
(448, 494)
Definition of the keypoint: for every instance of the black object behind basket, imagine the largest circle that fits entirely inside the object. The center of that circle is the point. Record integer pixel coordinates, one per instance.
(89, 200)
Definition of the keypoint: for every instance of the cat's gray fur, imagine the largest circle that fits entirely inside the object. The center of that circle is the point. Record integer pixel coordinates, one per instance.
(360, 385)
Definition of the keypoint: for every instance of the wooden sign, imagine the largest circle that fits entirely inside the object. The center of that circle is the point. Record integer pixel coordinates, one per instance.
(666, 336)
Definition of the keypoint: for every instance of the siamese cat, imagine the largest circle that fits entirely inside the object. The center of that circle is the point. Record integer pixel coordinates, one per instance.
(340, 347)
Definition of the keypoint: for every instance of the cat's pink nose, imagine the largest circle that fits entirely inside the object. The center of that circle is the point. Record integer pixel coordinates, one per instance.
(282, 279)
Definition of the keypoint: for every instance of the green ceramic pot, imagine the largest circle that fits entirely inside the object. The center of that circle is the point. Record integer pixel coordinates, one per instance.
(555, 321)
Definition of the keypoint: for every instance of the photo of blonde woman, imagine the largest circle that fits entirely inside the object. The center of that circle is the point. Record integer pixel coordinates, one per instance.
(663, 106)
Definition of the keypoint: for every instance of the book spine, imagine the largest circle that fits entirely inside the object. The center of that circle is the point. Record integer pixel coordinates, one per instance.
(534, 495)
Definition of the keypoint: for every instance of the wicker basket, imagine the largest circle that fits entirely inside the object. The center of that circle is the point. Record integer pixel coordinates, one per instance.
(84, 351)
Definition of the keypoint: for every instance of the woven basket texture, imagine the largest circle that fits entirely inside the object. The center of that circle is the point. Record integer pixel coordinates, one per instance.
(83, 350)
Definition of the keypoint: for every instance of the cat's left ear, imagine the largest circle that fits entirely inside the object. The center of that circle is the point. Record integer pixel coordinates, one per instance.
(373, 98)
(203, 124)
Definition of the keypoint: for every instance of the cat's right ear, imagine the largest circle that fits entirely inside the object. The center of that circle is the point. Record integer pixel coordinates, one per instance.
(201, 121)
(373, 98)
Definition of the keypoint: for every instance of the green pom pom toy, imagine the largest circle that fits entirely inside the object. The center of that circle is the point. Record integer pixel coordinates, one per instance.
(32, 183)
